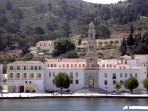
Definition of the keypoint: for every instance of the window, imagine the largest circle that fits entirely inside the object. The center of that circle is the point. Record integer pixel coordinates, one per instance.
(75, 65)
(125, 74)
(71, 75)
(105, 82)
(105, 75)
(53, 74)
(63, 65)
(18, 68)
(51, 65)
(25, 75)
(67, 65)
(76, 74)
(39, 75)
(121, 82)
(31, 67)
(114, 82)
(49, 74)
(114, 75)
(11, 67)
(77, 81)
(136, 75)
(71, 65)
(79, 65)
(18, 75)
(40, 68)
(121, 75)
(91, 35)
(35, 67)
(31, 75)
(11, 75)
(130, 74)
(71, 81)
(25, 68)
(83, 65)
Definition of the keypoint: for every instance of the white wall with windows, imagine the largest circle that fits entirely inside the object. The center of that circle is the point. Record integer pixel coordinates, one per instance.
(21, 73)
(76, 76)
(108, 78)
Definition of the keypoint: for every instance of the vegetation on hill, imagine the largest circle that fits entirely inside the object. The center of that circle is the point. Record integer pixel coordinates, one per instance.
(25, 22)
(137, 43)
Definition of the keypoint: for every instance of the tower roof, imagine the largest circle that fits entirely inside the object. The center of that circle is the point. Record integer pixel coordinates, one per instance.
(91, 26)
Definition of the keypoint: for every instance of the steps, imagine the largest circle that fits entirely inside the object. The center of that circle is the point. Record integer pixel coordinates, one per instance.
(91, 90)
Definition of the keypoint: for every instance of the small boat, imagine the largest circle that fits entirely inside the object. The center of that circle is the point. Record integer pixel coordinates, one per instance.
(135, 108)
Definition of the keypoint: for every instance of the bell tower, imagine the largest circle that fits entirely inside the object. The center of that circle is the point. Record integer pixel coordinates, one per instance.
(91, 54)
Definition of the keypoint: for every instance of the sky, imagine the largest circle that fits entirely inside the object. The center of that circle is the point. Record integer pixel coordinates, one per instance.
(102, 1)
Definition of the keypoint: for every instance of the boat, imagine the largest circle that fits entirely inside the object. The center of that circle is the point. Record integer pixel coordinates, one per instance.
(135, 108)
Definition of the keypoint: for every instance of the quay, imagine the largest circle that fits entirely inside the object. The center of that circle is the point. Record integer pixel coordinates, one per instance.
(75, 95)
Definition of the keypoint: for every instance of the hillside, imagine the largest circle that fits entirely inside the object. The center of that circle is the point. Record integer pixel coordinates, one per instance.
(24, 22)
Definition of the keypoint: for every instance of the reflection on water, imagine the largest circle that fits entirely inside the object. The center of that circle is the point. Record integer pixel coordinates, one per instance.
(69, 104)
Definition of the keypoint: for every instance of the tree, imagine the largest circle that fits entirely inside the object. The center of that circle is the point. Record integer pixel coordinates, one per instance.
(103, 31)
(9, 6)
(131, 84)
(39, 30)
(17, 14)
(63, 45)
(12, 27)
(145, 84)
(28, 57)
(117, 86)
(3, 20)
(71, 54)
(123, 47)
(61, 81)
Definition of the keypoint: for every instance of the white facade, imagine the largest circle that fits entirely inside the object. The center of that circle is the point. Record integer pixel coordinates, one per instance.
(25, 76)
(106, 72)
(76, 76)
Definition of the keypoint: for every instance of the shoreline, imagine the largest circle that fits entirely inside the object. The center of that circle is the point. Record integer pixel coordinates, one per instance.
(75, 95)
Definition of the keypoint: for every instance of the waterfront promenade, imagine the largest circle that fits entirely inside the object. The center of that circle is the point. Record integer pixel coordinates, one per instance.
(74, 95)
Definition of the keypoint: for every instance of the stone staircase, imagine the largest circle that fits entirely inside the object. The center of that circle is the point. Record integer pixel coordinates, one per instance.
(91, 90)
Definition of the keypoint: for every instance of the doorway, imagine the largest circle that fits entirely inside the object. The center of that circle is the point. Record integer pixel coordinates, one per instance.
(21, 88)
(91, 82)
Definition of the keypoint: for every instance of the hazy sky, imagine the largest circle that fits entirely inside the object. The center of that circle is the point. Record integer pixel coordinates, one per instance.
(102, 1)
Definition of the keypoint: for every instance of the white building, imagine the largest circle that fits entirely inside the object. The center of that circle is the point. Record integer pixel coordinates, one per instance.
(25, 76)
(108, 72)
(73, 67)
(45, 45)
